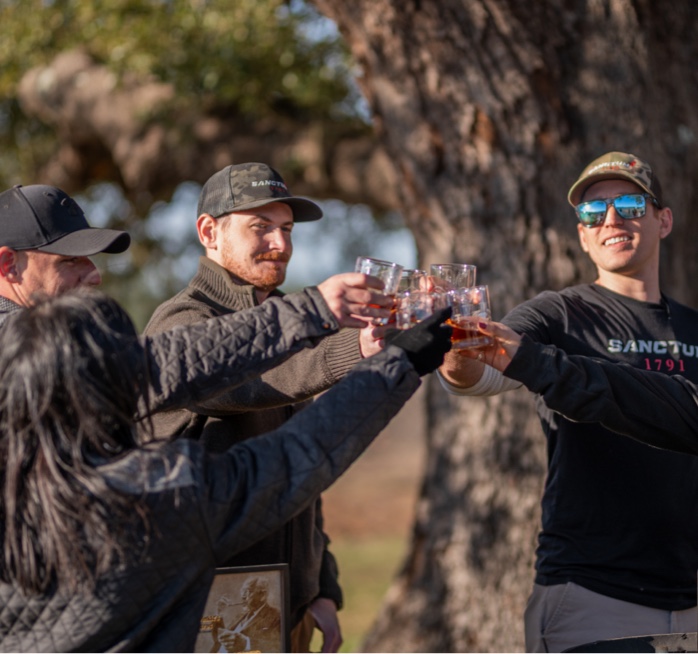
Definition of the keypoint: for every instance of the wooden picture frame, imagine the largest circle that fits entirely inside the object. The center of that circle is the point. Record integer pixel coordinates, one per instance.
(247, 609)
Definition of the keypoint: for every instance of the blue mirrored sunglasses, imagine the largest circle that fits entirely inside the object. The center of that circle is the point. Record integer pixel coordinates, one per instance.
(633, 205)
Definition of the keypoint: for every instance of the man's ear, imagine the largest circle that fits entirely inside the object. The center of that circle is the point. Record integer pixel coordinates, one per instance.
(581, 231)
(666, 222)
(207, 229)
(8, 264)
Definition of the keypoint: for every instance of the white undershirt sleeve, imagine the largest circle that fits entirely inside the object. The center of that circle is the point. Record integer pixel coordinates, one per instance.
(492, 382)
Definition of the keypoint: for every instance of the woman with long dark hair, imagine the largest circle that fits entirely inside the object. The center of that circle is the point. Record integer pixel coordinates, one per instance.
(109, 542)
(68, 397)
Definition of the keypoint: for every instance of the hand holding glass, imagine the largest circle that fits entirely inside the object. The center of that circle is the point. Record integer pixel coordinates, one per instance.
(389, 273)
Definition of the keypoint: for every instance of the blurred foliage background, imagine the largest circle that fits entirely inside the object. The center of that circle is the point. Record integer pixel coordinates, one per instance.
(259, 56)
(261, 62)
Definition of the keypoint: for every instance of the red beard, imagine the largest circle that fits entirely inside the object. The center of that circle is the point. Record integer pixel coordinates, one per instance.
(274, 276)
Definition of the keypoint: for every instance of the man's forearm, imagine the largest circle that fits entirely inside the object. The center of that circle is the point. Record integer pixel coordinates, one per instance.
(193, 362)
(297, 379)
(651, 407)
(460, 372)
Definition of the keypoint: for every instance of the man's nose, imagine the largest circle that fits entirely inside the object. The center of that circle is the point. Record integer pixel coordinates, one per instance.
(612, 217)
(280, 240)
(90, 275)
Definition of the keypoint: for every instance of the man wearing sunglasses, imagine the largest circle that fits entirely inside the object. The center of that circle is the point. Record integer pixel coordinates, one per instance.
(618, 549)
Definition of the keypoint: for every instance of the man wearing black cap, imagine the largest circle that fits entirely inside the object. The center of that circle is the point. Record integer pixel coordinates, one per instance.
(45, 243)
(618, 549)
(245, 218)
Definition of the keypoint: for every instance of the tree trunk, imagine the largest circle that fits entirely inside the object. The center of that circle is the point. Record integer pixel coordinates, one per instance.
(489, 109)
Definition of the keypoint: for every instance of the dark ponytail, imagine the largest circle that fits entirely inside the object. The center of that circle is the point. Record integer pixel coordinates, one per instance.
(70, 375)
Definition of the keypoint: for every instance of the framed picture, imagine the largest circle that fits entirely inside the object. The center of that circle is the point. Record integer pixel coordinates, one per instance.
(247, 610)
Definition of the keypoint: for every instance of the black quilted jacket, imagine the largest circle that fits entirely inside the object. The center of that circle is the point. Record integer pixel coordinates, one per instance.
(205, 506)
(255, 408)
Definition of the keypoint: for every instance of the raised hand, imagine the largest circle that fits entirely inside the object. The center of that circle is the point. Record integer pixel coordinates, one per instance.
(356, 299)
(503, 348)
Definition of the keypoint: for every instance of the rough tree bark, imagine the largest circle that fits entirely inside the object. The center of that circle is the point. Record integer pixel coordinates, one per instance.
(489, 109)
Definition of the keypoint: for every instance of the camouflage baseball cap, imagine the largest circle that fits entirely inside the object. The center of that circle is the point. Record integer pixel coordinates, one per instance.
(616, 165)
(250, 185)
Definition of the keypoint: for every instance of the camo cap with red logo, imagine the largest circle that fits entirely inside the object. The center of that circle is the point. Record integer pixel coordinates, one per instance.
(616, 165)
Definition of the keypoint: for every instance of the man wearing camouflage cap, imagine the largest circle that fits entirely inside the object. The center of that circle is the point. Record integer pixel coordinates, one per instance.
(618, 549)
(245, 217)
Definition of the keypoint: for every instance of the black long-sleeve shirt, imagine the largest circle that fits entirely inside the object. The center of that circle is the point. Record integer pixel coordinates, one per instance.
(618, 517)
(651, 407)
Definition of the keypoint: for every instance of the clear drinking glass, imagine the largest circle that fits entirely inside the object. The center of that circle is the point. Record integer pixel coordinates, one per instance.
(451, 276)
(413, 279)
(387, 271)
(469, 306)
(414, 306)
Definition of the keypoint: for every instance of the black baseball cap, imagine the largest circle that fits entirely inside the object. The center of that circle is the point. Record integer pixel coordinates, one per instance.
(44, 218)
(239, 187)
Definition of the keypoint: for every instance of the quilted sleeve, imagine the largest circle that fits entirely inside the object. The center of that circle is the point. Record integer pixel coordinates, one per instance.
(299, 378)
(193, 362)
(263, 482)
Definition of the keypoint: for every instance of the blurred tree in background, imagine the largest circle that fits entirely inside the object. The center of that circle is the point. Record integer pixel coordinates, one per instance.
(122, 101)
(482, 114)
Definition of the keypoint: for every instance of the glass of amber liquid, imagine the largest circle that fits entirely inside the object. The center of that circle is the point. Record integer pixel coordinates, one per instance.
(470, 305)
(387, 271)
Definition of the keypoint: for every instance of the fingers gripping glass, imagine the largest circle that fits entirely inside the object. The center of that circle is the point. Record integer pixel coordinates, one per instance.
(633, 205)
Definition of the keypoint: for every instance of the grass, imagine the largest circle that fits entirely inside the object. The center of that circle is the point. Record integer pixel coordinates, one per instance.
(366, 568)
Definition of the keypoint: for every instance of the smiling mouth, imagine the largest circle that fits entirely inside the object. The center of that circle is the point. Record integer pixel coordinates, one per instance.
(616, 239)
